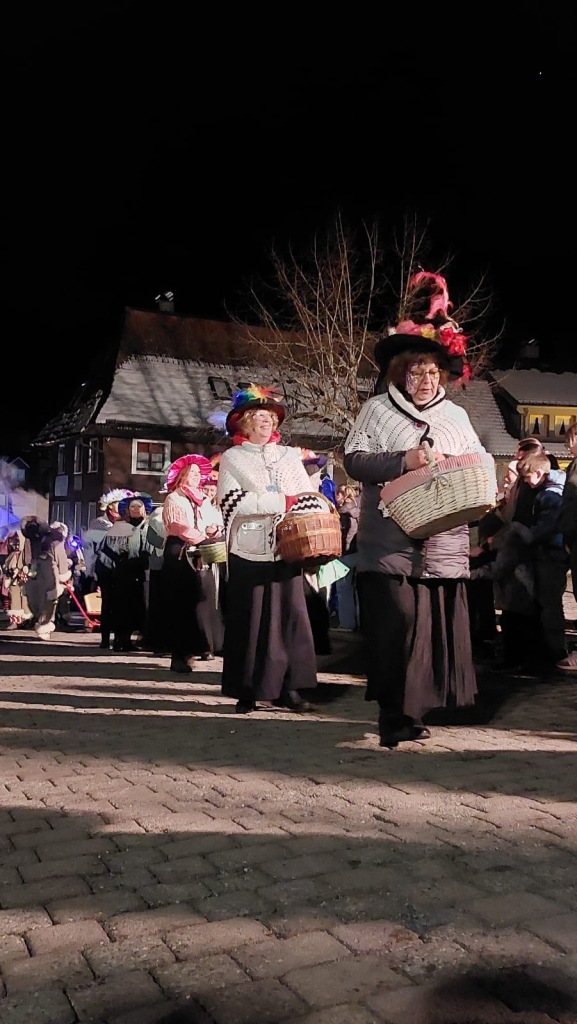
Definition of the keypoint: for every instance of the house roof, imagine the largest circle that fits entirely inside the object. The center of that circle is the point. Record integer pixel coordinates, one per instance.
(478, 400)
(175, 393)
(532, 387)
(158, 377)
(185, 337)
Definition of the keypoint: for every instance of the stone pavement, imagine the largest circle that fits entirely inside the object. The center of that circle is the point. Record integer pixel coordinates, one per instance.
(157, 851)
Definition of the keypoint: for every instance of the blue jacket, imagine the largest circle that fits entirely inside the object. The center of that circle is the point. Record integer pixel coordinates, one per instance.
(544, 528)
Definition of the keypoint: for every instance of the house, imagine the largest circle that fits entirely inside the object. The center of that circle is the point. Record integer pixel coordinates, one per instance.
(164, 390)
(540, 405)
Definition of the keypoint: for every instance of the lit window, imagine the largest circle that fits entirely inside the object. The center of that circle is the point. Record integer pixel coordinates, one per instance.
(59, 512)
(538, 425)
(150, 456)
(93, 452)
(562, 424)
(78, 457)
(77, 518)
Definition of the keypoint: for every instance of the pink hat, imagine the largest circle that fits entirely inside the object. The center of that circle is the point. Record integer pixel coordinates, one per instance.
(201, 461)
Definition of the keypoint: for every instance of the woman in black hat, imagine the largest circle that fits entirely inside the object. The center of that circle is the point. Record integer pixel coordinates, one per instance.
(413, 604)
(268, 644)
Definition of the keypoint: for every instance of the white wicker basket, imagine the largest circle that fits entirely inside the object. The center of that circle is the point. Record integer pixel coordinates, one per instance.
(442, 495)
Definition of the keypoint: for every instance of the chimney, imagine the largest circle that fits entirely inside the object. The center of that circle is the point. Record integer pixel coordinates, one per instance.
(529, 353)
(165, 302)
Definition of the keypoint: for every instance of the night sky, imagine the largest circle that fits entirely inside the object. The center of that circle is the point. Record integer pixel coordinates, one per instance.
(170, 152)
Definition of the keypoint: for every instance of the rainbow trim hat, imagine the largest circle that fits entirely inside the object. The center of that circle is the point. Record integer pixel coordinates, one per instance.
(253, 397)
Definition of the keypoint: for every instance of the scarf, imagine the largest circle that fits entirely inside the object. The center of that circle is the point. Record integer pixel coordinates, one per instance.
(240, 438)
(196, 497)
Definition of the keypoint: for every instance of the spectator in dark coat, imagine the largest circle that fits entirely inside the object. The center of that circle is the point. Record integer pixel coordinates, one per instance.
(509, 570)
(568, 528)
(550, 559)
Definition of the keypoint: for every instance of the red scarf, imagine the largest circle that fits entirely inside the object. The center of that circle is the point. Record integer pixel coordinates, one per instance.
(197, 497)
(240, 438)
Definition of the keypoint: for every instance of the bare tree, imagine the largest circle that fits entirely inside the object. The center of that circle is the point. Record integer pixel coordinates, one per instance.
(318, 311)
(323, 312)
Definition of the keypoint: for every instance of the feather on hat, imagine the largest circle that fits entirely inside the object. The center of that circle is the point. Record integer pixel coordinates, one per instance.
(430, 329)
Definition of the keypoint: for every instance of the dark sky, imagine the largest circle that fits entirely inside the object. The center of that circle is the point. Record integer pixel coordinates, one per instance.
(169, 152)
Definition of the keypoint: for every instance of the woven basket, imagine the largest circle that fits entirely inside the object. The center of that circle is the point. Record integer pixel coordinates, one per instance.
(310, 538)
(211, 553)
(442, 495)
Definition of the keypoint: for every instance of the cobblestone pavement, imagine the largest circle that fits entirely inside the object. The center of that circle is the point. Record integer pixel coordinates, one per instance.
(158, 851)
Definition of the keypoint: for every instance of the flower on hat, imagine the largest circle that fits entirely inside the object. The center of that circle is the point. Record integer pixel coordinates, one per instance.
(116, 494)
(428, 301)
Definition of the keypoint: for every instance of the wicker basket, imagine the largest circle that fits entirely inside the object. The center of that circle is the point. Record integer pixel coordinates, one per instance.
(214, 552)
(442, 495)
(310, 538)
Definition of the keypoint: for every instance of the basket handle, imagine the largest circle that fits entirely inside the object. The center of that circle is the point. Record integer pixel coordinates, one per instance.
(432, 464)
(316, 494)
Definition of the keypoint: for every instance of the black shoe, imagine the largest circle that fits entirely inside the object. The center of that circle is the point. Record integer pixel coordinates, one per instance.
(405, 734)
(207, 656)
(244, 707)
(292, 701)
(180, 665)
(104, 645)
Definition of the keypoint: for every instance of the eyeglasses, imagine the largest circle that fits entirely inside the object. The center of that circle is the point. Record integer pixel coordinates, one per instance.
(418, 376)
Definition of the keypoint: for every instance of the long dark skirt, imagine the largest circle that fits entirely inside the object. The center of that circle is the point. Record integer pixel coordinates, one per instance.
(268, 642)
(157, 634)
(194, 622)
(417, 644)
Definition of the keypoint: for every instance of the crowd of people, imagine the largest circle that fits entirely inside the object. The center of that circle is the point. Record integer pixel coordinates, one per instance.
(201, 574)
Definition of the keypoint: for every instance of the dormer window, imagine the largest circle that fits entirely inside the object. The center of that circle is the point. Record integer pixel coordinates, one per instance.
(220, 388)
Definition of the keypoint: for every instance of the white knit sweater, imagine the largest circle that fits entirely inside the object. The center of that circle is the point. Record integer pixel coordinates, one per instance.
(390, 423)
(253, 482)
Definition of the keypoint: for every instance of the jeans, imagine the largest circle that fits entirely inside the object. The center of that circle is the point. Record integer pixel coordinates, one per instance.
(347, 600)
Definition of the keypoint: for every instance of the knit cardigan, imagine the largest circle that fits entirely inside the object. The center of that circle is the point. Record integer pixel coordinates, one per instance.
(183, 519)
(387, 426)
(253, 483)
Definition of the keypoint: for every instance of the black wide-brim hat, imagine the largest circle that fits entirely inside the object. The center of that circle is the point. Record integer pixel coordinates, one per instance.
(395, 344)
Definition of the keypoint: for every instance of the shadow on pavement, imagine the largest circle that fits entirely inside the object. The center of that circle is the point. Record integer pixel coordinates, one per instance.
(169, 882)
(336, 742)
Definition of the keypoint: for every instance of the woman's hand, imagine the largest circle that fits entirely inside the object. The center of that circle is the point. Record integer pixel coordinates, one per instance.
(211, 531)
(415, 458)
